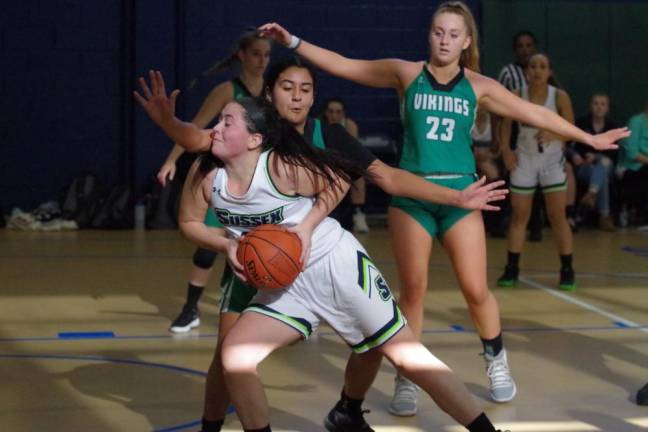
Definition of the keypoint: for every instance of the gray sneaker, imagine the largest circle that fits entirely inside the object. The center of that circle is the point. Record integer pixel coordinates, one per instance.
(403, 404)
(502, 385)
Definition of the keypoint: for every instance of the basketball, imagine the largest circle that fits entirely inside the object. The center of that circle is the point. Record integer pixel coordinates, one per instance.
(270, 256)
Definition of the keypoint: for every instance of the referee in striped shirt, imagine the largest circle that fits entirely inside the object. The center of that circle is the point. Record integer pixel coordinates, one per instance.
(512, 76)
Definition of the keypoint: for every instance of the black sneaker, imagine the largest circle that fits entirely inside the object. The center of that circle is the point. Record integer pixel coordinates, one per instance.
(510, 276)
(567, 279)
(642, 395)
(341, 420)
(187, 320)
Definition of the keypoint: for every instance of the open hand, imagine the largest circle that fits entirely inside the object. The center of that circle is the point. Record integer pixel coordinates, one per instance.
(479, 195)
(154, 100)
(608, 140)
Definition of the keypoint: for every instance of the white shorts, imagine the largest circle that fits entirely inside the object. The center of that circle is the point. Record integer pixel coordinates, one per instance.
(343, 288)
(544, 169)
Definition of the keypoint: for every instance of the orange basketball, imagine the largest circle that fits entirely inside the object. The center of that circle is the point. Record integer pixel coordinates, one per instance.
(270, 255)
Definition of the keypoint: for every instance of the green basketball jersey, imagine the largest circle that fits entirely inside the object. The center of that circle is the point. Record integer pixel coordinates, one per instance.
(240, 91)
(437, 119)
(318, 136)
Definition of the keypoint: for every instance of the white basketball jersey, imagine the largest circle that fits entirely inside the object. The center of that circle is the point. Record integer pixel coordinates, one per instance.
(264, 204)
(526, 141)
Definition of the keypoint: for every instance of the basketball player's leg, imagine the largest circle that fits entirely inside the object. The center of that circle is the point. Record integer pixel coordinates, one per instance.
(236, 295)
(416, 363)
(553, 181)
(216, 396)
(248, 343)
(465, 243)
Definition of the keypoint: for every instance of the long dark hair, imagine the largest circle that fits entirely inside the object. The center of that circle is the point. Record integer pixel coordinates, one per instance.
(288, 144)
(244, 41)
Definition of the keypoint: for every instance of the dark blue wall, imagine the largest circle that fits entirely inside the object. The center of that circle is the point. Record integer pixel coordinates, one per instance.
(66, 107)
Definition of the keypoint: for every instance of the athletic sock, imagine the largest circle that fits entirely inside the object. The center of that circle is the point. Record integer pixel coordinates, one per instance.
(481, 424)
(212, 426)
(566, 262)
(193, 294)
(513, 259)
(492, 347)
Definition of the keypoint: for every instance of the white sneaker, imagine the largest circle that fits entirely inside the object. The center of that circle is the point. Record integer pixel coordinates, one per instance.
(502, 385)
(403, 404)
(360, 222)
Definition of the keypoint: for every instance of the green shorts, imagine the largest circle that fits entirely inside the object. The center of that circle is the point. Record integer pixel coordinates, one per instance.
(437, 219)
(211, 220)
(236, 293)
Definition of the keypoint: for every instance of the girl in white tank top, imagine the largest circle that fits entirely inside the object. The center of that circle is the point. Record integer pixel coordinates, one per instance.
(250, 177)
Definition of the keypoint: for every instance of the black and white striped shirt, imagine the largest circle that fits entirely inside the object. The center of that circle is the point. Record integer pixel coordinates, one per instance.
(512, 77)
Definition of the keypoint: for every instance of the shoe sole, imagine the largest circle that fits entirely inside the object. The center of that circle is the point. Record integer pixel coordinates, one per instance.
(506, 399)
(330, 427)
(567, 287)
(507, 283)
(186, 329)
(409, 413)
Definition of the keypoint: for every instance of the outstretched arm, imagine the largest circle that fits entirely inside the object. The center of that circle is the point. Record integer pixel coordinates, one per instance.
(161, 109)
(496, 98)
(395, 181)
(374, 73)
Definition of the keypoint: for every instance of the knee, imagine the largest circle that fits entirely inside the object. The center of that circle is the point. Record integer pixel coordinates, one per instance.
(204, 258)
(237, 359)
(477, 295)
(413, 292)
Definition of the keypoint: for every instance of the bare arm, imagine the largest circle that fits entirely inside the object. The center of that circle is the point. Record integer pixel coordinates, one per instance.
(387, 73)
(194, 205)
(399, 182)
(352, 128)
(502, 102)
(161, 109)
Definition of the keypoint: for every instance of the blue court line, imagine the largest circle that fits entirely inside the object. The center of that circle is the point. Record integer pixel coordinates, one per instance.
(86, 335)
(123, 361)
(454, 329)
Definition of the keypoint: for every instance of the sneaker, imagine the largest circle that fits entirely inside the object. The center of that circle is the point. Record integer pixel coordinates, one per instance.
(510, 276)
(403, 404)
(187, 320)
(567, 280)
(360, 222)
(342, 420)
(642, 395)
(502, 385)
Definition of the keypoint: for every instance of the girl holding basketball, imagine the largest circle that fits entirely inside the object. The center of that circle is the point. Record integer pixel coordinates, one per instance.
(259, 164)
(438, 100)
(290, 84)
(252, 53)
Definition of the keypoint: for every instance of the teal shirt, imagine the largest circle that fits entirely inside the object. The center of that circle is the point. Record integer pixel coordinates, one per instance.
(635, 144)
(437, 120)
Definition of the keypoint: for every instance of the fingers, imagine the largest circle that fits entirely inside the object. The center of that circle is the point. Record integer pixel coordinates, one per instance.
(488, 207)
(162, 178)
(145, 87)
(161, 85)
(139, 99)
(494, 185)
(174, 96)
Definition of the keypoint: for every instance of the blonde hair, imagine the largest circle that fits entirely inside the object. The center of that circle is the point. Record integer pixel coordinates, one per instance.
(470, 56)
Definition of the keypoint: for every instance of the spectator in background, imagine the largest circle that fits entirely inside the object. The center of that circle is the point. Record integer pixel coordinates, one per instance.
(513, 77)
(633, 170)
(595, 168)
(335, 112)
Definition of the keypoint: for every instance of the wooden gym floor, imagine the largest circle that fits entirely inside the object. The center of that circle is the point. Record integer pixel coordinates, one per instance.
(84, 343)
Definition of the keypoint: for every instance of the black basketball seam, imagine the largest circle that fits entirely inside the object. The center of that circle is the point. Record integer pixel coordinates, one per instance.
(297, 266)
(263, 264)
